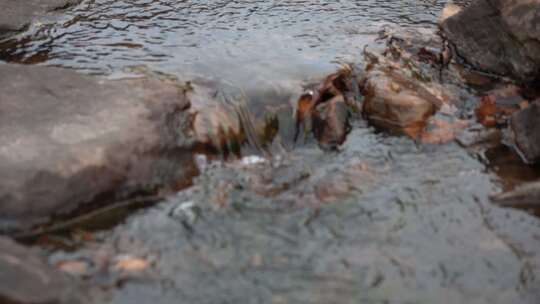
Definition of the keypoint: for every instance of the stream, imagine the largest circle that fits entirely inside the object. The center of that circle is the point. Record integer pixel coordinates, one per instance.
(385, 219)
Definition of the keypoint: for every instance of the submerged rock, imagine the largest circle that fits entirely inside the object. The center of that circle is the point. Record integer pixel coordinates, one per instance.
(525, 132)
(68, 141)
(28, 280)
(440, 131)
(16, 16)
(524, 196)
(499, 36)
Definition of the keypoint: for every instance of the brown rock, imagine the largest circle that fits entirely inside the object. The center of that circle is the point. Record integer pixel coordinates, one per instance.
(525, 132)
(397, 103)
(499, 36)
(524, 196)
(326, 109)
(216, 126)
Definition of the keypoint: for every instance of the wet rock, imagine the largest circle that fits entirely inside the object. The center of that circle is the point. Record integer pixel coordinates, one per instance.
(325, 110)
(427, 59)
(331, 123)
(524, 196)
(449, 10)
(28, 280)
(525, 132)
(16, 16)
(498, 36)
(216, 127)
(71, 142)
(397, 103)
(409, 81)
(440, 131)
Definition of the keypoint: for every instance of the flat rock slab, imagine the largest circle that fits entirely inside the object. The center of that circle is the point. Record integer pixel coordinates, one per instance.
(26, 279)
(16, 15)
(67, 140)
(499, 36)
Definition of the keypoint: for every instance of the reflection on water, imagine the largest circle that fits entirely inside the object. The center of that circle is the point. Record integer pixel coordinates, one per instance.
(236, 40)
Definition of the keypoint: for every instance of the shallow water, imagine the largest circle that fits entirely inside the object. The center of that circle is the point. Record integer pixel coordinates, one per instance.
(242, 42)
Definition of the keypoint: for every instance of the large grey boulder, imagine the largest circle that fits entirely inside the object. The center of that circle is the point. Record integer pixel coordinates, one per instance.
(499, 36)
(16, 15)
(26, 279)
(68, 141)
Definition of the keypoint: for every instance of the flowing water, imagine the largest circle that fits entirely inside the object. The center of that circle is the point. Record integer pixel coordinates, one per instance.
(385, 220)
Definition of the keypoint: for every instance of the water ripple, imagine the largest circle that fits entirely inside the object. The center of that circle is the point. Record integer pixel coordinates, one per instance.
(216, 38)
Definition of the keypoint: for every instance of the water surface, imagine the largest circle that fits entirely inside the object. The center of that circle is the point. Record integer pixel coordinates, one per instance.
(243, 42)
(385, 220)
